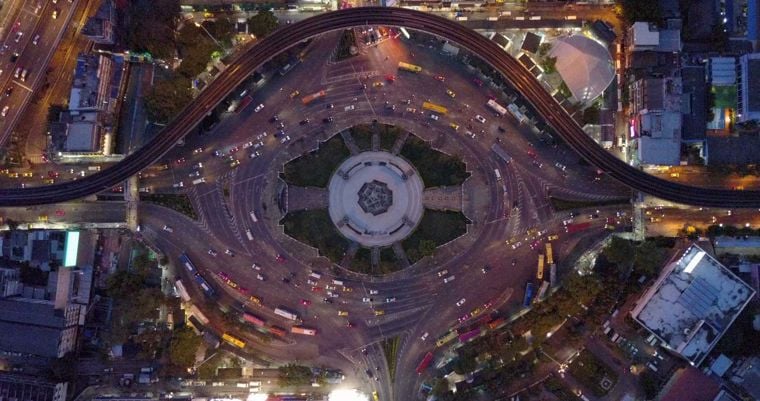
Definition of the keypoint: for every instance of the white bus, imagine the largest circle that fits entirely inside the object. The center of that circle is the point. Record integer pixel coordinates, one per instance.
(253, 217)
(501, 110)
(497, 173)
(286, 314)
(181, 291)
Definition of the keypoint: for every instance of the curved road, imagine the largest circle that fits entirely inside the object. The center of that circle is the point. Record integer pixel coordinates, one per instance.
(521, 79)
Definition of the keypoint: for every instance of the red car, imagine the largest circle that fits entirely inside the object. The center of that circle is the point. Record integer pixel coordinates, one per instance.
(532, 153)
(280, 258)
(316, 289)
(390, 78)
(60, 213)
(439, 78)
(53, 174)
(243, 290)
(305, 302)
(180, 160)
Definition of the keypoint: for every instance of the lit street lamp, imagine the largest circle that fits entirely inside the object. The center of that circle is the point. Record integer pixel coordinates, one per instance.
(199, 25)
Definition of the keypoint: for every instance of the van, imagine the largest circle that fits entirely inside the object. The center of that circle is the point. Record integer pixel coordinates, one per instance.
(253, 217)
(337, 282)
(241, 385)
(93, 168)
(249, 235)
(199, 181)
(497, 173)
(615, 337)
(315, 275)
(448, 279)
(24, 74)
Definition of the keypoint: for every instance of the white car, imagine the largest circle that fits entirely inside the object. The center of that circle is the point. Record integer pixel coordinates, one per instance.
(372, 292)
(349, 108)
(255, 267)
(517, 245)
(424, 336)
(258, 108)
(365, 299)
(255, 154)
(212, 252)
(448, 279)
(443, 273)
(247, 145)
(480, 119)
(285, 139)
(260, 277)
(229, 252)
(434, 117)
(5, 111)
(261, 135)
(179, 184)
(460, 302)
(169, 229)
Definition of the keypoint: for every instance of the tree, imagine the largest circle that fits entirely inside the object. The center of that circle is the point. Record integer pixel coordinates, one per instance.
(426, 247)
(262, 24)
(591, 114)
(549, 65)
(64, 369)
(641, 10)
(149, 26)
(183, 347)
(222, 29)
(195, 48)
(440, 386)
(294, 375)
(167, 98)
(619, 251)
(648, 258)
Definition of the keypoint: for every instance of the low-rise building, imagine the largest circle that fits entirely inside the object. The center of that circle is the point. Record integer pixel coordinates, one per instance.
(99, 28)
(692, 304)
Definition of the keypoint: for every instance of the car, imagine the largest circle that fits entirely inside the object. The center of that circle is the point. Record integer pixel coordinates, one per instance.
(17, 73)
(305, 302)
(36, 39)
(424, 336)
(560, 166)
(485, 269)
(259, 144)
(450, 93)
(258, 108)
(274, 119)
(439, 78)
(449, 279)
(470, 134)
(342, 313)
(14, 57)
(480, 119)
(365, 299)
(379, 312)
(5, 111)
(234, 163)
(461, 302)
(294, 94)
(24, 74)
(390, 299)
(303, 122)
(454, 126)
(464, 318)
(285, 139)
(552, 237)
(168, 229)
(350, 107)
(348, 289)
(19, 34)
(55, 14)
(372, 292)
(212, 252)
(378, 84)
(517, 245)
(9, 90)
(260, 277)
(350, 325)
(327, 120)
(195, 174)
(254, 154)
(229, 252)
(443, 273)
(434, 117)
(280, 259)
(567, 221)
(330, 106)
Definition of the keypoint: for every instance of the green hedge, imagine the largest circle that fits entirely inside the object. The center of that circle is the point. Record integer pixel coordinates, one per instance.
(437, 169)
(314, 169)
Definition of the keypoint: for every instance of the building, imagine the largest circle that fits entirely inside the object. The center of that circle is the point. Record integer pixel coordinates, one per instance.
(689, 384)
(585, 66)
(36, 327)
(531, 43)
(692, 304)
(9, 282)
(645, 36)
(657, 119)
(748, 86)
(89, 91)
(26, 388)
(99, 27)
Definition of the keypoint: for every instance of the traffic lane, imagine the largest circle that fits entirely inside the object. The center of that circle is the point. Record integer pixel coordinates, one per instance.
(70, 212)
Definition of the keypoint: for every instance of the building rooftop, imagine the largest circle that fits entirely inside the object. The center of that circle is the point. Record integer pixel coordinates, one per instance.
(82, 136)
(659, 138)
(693, 103)
(585, 66)
(722, 71)
(531, 42)
(734, 149)
(694, 301)
(645, 34)
(689, 384)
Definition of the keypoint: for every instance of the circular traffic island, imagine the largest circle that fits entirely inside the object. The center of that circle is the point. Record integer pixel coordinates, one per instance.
(374, 199)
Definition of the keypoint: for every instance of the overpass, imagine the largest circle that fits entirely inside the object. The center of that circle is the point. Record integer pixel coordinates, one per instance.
(254, 56)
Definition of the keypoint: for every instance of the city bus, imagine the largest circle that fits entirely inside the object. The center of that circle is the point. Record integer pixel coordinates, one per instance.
(540, 268)
(501, 110)
(277, 331)
(181, 291)
(188, 264)
(303, 330)
(234, 341)
(244, 103)
(434, 108)
(528, 294)
(408, 67)
(424, 363)
(446, 338)
(549, 258)
(464, 337)
(205, 286)
(286, 314)
(254, 320)
(314, 96)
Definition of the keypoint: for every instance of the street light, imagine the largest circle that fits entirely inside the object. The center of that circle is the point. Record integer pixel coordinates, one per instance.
(199, 25)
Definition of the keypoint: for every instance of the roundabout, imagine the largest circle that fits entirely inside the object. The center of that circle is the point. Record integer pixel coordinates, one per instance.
(375, 198)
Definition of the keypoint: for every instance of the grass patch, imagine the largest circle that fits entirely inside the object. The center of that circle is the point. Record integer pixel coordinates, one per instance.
(725, 96)
(177, 202)
(563, 204)
(436, 168)
(347, 40)
(559, 389)
(314, 169)
(390, 350)
(590, 371)
(362, 135)
(389, 134)
(315, 228)
(388, 261)
(436, 228)
(362, 261)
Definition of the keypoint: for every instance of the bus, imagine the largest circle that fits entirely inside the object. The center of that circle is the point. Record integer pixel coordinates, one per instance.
(314, 96)
(205, 286)
(446, 338)
(181, 291)
(434, 108)
(244, 103)
(424, 363)
(277, 331)
(549, 258)
(501, 110)
(542, 290)
(496, 323)
(303, 330)
(188, 264)
(501, 153)
(574, 228)
(254, 320)
(234, 341)
(464, 337)
(194, 311)
(408, 67)
(528, 294)
(286, 314)
(540, 268)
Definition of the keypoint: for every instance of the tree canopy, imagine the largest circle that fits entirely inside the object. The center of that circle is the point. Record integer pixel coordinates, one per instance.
(167, 98)
(262, 24)
(149, 26)
(184, 344)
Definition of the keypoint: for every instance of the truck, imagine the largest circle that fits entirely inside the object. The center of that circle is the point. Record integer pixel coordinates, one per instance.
(244, 102)
(314, 96)
(280, 311)
(199, 181)
(424, 363)
(446, 338)
(496, 107)
(254, 320)
(578, 227)
(497, 173)
(234, 341)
